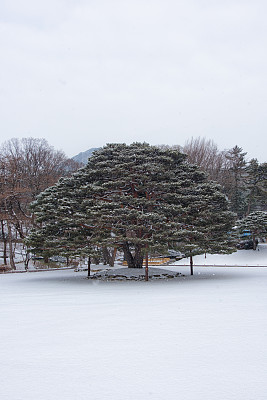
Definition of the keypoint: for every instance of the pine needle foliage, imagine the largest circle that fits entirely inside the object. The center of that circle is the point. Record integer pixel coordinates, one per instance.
(137, 198)
(256, 224)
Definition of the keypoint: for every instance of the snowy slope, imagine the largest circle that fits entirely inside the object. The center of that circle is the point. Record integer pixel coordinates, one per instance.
(64, 337)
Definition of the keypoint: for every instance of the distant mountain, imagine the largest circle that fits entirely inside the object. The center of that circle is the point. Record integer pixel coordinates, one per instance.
(84, 155)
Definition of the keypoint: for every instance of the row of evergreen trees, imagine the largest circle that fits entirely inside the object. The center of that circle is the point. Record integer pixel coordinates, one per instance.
(243, 181)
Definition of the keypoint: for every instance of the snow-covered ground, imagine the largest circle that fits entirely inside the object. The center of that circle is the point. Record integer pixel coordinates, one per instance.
(239, 258)
(64, 337)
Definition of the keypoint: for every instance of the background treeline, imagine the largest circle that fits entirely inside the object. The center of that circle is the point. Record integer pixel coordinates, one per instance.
(243, 181)
(28, 166)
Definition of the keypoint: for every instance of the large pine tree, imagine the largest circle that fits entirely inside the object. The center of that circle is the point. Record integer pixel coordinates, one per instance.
(137, 198)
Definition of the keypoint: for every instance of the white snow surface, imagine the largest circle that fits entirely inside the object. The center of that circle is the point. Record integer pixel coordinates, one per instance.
(195, 337)
(239, 258)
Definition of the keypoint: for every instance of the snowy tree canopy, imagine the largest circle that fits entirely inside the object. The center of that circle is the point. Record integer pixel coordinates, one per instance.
(255, 223)
(256, 182)
(137, 198)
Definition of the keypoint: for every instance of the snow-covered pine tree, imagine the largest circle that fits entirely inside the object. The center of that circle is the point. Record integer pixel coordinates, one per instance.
(256, 181)
(235, 184)
(256, 223)
(140, 198)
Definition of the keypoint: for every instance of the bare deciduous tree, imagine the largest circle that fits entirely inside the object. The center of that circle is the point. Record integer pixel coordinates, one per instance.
(27, 167)
(207, 156)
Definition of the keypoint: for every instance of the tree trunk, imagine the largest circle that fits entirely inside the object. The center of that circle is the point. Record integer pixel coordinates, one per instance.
(106, 255)
(146, 275)
(4, 236)
(138, 257)
(113, 257)
(108, 258)
(254, 242)
(137, 260)
(26, 262)
(11, 256)
(89, 266)
(128, 255)
(19, 229)
(191, 265)
(5, 252)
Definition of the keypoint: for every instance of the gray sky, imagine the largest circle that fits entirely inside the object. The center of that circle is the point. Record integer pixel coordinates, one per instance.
(83, 73)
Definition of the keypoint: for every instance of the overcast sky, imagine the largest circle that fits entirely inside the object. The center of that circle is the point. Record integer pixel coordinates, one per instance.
(84, 73)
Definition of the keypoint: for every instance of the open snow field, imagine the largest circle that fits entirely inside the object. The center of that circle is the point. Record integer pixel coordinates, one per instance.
(191, 338)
